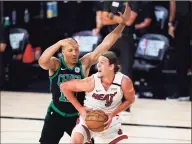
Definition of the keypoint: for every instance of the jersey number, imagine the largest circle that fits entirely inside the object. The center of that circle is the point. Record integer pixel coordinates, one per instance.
(62, 98)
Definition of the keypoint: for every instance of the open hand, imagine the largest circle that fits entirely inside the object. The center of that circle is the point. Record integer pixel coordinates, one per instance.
(83, 111)
(66, 42)
(107, 124)
(126, 15)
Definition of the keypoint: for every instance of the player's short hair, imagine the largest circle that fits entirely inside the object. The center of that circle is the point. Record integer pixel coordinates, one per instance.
(72, 39)
(111, 56)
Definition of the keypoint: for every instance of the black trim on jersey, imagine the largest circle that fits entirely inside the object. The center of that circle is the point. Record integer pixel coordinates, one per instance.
(116, 84)
(71, 69)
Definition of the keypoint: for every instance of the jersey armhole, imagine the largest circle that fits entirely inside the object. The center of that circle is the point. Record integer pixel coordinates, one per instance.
(56, 72)
(95, 81)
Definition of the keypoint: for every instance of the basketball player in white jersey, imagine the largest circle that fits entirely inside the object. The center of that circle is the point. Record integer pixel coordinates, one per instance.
(107, 90)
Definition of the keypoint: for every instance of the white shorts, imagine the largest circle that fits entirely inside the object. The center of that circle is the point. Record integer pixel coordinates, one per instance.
(111, 135)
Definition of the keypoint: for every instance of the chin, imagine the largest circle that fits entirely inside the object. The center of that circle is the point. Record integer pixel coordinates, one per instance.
(99, 74)
(75, 61)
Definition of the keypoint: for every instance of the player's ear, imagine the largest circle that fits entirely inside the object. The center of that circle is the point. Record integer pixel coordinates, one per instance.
(62, 50)
(112, 66)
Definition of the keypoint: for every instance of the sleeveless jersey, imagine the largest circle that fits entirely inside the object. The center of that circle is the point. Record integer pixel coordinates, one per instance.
(63, 74)
(101, 99)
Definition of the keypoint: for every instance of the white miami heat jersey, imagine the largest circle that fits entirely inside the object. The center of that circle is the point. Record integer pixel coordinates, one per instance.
(101, 99)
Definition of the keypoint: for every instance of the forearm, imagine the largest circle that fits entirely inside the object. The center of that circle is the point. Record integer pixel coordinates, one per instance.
(75, 85)
(143, 24)
(172, 10)
(109, 40)
(49, 52)
(140, 26)
(107, 43)
(69, 95)
(123, 106)
(114, 35)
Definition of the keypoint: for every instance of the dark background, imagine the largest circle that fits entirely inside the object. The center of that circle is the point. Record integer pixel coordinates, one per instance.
(72, 17)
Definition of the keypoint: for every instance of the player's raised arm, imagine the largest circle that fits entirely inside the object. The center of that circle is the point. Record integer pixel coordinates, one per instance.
(109, 40)
(46, 60)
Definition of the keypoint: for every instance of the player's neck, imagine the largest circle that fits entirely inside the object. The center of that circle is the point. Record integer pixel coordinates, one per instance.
(108, 79)
(69, 65)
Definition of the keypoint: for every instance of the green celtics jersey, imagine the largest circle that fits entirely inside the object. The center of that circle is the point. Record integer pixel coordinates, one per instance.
(63, 74)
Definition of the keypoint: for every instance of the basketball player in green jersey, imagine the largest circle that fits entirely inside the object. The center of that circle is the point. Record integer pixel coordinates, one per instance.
(61, 115)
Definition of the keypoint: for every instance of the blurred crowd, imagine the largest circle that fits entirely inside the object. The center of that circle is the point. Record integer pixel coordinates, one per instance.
(172, 20)
(146, 18)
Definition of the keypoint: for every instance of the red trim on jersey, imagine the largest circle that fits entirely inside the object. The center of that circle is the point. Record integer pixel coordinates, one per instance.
(88, 133)
(118, 139)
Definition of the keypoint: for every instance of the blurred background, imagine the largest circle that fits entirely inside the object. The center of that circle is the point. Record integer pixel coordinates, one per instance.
(28, 28)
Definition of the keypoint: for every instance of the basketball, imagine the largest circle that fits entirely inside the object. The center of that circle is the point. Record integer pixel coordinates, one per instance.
(95, 120)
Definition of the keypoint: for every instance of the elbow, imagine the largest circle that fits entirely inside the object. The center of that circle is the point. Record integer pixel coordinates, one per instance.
(131, 99)
(40, 61)
(68, 85)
